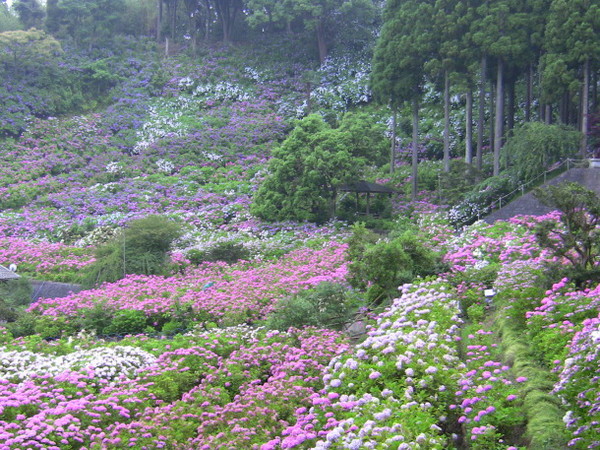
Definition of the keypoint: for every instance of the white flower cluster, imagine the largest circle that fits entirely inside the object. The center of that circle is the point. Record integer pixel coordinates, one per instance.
(98, 236)
(163, 121)
(254, 75)
(417, 334)
(165, 166)
(107, 363)
(114, 167)
(221, 91)
(345, 82)
(244, 333)
(185, 82)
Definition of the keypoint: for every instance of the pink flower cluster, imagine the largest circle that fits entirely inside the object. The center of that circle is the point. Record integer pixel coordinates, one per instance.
(238, 292)
(487, 393)
(40, 257)
(214, 390)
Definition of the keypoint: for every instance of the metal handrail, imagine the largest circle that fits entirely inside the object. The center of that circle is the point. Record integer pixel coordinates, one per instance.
(522, 186)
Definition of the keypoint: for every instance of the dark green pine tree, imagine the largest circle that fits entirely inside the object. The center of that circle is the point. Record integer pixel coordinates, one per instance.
(537, 12)
(450, 26)
(405, 45)
(572, 46)
(30, 13)
(501, 33)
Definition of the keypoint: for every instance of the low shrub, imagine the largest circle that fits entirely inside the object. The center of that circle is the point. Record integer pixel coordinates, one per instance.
(328, 305)
(126, 321)
(229, 252)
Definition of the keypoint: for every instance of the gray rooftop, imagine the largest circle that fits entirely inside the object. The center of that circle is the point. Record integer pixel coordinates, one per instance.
(6, 274)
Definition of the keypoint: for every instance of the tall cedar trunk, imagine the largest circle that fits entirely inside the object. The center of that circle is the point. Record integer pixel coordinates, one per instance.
(548, 114)
(594, 82)
(207, 21)
(415, 148)
(174, 20)
(446, 121)
(469, 128)
(499, 119)
(159, 21)
(481, 113)
(529, 95)
(192, 28)
(510, 121)
(393, 144)
(227, 10)
(492, 112)
(321, 42)
(585, 113)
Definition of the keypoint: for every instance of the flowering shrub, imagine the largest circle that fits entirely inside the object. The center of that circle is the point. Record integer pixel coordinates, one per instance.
(487, 397)
(230, 294)
(171, 399)
(579, 385)
(103, 363)
(395, 387)
(43, 258)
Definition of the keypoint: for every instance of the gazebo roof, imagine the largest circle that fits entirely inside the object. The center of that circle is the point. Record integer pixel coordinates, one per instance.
(367, 187)
(6, 274)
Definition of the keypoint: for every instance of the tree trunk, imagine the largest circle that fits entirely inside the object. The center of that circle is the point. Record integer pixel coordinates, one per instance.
(548, 114)
(510, 123)
(415, 148)
(227, 10)
(393, 144)
(174, 20)
(585, 113)
(446, 121)
(492, 112)
(499, 119)
(321, 42)
(529, 95)
(207, 21)
(594, 99)
(159, 17)
(469, 128)
(481, 113)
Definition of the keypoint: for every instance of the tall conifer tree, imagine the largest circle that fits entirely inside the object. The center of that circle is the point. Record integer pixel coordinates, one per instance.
(406, 44)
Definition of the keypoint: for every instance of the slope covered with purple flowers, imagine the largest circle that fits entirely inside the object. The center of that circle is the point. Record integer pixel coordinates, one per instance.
(186, 360)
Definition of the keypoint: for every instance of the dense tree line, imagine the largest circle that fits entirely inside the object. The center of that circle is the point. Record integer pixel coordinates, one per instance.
(510, 61)
(543, 55)
(177, 22)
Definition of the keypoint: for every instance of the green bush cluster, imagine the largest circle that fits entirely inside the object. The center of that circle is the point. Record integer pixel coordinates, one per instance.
(379, 266)
(229, 252)
(141, 248)
(328, 305)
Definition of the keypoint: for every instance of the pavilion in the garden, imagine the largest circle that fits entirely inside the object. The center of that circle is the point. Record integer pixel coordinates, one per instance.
(366, 188)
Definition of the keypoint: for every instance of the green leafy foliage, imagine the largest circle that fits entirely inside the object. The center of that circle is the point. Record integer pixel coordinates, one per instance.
(8, 21)
(405, 45)
(141, 248)
(126, 321)
(380, 267)
(534, 147)
(576, 238)
(88, 22)
(30, 13)
(328, 305)
(26, 50)
(230, 252)
(304, 173)
(16, 292)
